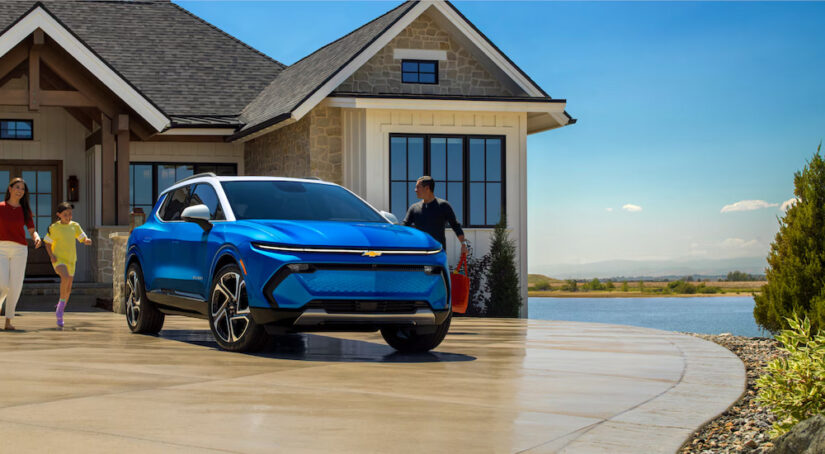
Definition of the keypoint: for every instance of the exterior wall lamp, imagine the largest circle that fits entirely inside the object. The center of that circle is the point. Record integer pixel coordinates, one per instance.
(74, 189)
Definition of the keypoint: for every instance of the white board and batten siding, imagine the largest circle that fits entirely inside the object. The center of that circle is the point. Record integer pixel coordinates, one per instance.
(366, 164)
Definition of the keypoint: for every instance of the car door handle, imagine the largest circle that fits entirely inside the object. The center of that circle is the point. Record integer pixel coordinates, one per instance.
(147, 240)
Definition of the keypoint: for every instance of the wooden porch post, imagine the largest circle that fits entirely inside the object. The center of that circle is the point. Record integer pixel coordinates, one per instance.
(121, 128)
(34, 70)
(108, 215)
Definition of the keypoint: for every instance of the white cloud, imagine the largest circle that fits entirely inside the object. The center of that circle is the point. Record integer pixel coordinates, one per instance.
(739, 243)
(788, 203)
(747, 205)
(609, 210)
(632, 208)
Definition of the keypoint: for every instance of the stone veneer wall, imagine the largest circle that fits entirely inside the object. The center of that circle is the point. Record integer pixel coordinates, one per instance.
(310, 147)
(102, 244)
(119, 241)
(460, 74)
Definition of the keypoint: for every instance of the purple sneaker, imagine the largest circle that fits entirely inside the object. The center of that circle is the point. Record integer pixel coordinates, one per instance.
(60, 307)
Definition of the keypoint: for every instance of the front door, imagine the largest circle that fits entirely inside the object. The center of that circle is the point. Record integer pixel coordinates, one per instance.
(44, 195)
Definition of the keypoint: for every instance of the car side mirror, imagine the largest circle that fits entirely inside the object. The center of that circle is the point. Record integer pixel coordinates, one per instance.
(390, 217)
(199, 214)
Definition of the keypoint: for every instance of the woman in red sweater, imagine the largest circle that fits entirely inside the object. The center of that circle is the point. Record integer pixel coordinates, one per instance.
(15, 217)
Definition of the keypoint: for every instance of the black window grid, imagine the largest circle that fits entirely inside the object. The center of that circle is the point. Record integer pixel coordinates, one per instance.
(465, 199)
(418, 71)
(15, 129)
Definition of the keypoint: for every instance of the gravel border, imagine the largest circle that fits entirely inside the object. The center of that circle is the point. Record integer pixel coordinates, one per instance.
(745, 425)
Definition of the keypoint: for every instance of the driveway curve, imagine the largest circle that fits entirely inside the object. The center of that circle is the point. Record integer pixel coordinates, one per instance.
(493, 386)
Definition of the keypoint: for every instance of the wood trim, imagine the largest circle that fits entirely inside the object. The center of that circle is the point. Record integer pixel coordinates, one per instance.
(94, 138)
(55, 98)
(34, 77)
(121, 125)
(107, 203)
(161, 138)
(13, 59)
(68, 71)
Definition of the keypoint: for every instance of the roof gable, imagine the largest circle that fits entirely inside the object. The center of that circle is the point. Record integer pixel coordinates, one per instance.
(176, 61)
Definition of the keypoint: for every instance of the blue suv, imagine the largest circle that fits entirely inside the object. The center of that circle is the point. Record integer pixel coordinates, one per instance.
(262, 256)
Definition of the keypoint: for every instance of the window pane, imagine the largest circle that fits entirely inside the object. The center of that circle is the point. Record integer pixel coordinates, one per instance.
(44, 181)
(140, 187)
(30, 178)
(455, 163)
(184, 171)
(4, 129)
(175, 204)
(24, 130)
(438, 159)
(476, 160)
(204, 168)
(493, 160)
(409, 77)
(415, 158)
(440, 189)
(477, 210)
(398, 158)
(493, 203)
(5, 177)
(409, 67)
(226, 171)
(205, 194)
(166, 176)
(411, 198)
(41, 223)
(398, 204)
(455, 195)
(428, 67)
(426, 78)
(44, 205)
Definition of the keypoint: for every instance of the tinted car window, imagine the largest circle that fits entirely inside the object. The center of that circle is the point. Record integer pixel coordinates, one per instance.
(205, 194)
(295, 200)
(174, 204)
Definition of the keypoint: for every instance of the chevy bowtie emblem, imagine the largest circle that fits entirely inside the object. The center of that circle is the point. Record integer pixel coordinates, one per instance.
(371, 254)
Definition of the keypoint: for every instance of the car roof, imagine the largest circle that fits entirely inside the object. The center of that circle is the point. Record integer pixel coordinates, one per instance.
(213, 178)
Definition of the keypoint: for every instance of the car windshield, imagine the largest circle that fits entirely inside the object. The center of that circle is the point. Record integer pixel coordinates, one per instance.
(296, 201)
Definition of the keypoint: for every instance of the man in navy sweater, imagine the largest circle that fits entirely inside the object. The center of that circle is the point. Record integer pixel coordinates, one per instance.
(431, 214)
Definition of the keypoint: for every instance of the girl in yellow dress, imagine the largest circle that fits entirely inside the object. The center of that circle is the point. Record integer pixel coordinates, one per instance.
(60, 244)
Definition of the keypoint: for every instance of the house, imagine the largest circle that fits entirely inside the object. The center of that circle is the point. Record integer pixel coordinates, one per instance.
(108, 102)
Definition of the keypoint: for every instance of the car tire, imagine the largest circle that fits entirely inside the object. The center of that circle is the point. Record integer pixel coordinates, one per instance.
(230, 320)
(409, 340)
(141, 314)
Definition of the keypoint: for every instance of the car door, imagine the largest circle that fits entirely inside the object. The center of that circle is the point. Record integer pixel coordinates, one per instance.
(197, 247)
(165, 243)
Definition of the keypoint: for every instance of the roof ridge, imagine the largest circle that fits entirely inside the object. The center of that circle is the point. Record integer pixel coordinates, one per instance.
(353, 31)
(283, 66)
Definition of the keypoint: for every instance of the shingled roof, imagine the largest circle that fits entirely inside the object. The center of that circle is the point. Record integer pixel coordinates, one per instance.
(304, 77)
(182, 64)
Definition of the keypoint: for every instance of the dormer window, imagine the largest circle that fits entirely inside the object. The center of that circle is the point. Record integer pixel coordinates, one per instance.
(419, 71)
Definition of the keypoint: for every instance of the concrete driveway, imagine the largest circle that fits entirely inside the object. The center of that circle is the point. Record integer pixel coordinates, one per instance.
(492, 386)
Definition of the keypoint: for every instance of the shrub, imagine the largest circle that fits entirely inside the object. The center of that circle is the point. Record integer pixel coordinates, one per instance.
(794, 386)
(796, 263)
(544, 285)
(502, 276)
(476, 271)
(625, 288)
(570, 286)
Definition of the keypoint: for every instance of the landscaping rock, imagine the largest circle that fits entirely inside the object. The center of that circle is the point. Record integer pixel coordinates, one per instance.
(807, 437)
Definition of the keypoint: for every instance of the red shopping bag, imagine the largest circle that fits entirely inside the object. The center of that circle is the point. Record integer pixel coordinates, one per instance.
(460, 284)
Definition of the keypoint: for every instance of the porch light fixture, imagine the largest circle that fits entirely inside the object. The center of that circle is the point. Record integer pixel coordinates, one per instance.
(73, 188)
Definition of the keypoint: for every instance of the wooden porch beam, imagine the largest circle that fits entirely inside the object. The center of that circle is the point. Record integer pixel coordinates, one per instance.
(108, 210)
(81, 117)
(55, 98)
(13, 59)
(68, 71)
(34, 69)
(121, 127)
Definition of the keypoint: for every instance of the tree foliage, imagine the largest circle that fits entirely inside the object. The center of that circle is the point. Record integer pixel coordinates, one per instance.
(796, 263)
(502, 276)
(477, 268)
(739, 276)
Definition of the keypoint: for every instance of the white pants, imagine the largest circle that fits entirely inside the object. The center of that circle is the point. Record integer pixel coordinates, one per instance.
(12, 270)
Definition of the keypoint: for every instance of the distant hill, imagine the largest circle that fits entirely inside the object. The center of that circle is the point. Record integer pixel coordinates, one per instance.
(653, 269)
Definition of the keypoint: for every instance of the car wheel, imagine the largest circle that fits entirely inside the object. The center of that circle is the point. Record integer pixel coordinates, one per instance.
(229, 316)
(141, 314)
(409, 340)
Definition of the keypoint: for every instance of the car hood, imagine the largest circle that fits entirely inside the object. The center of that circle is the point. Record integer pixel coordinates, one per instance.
(336, 234)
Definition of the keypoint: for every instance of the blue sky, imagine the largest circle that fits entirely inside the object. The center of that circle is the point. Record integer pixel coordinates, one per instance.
(684, 108)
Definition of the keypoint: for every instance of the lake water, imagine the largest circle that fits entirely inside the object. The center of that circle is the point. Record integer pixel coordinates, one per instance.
(707, 315)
